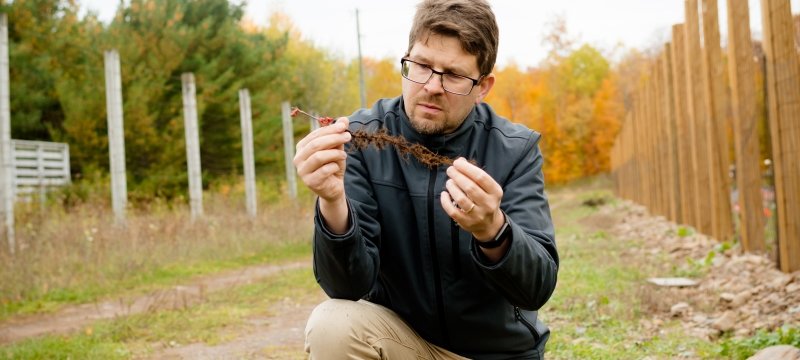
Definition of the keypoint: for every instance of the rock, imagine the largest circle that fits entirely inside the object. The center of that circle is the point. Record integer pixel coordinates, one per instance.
(740, 298)
(706, 333)
(672, 282)
(727, 297)
(726, 322)
(792, 287)
(679, 309)
(699, 318)
(780, 352)
(780, 282)
(754, 259)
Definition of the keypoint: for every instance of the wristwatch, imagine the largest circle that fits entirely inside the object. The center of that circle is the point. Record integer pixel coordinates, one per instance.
(500, 238)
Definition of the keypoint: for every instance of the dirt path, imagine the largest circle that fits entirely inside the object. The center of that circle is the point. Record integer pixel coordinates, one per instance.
(78, 317)
(279, 336)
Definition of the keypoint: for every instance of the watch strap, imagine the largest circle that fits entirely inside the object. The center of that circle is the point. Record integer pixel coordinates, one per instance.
(500, 238)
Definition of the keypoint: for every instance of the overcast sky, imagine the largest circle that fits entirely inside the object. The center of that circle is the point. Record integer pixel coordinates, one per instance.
(385, 24)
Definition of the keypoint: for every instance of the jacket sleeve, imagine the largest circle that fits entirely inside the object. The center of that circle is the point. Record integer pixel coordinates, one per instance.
(526, 275)
(346, 266)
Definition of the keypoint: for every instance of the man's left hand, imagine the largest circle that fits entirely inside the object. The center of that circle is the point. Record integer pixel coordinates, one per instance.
(473, 200)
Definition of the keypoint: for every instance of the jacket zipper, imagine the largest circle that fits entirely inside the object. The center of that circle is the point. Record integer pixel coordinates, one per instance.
(434, 257)
(527, 324)
(454, 238)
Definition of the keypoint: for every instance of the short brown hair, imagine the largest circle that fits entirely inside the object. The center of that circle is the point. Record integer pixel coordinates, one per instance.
(472, 22)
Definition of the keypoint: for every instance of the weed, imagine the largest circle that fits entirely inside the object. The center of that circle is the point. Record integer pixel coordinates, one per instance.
(732, 348)
(684, 231)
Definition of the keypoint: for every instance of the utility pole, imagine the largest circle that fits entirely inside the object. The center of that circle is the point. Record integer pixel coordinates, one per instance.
(360, 65)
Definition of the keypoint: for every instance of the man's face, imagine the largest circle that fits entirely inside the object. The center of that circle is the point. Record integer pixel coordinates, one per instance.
(433, 111)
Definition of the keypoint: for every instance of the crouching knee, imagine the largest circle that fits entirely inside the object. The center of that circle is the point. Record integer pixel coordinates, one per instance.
(334, 326)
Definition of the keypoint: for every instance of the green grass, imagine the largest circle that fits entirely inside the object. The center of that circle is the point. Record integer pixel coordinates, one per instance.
(217, 319)
(75, 254)
(744, 348)
(154, 279)
(596, 310)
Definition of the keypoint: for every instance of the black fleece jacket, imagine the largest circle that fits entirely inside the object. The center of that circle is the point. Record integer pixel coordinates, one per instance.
(402, 250)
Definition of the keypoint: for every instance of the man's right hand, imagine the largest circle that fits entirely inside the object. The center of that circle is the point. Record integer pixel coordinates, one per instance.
(320, 162)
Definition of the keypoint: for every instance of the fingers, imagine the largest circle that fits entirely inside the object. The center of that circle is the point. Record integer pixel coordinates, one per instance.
(317, 179)
(467, 220)
(319, 140)
(339, 127)
(478, 176)
(462, 200)
(319, 159)
(447, 205)
(471, 188)
(472, 198)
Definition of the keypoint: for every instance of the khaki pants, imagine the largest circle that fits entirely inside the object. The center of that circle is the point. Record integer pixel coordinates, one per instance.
(343, 329)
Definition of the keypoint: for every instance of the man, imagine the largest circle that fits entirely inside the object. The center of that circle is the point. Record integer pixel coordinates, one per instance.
(432, 263)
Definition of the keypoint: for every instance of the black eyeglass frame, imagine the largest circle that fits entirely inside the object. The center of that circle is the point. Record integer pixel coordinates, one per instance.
(475, 82)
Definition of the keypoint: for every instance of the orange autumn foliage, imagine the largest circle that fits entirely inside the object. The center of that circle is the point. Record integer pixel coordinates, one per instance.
(573, 101)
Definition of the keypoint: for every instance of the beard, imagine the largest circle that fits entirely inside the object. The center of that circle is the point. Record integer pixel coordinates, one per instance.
(430, 124)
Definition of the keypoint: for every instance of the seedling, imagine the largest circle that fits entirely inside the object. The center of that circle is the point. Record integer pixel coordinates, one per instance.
(381, 139)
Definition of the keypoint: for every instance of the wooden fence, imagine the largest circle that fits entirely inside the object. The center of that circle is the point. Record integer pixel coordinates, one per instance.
(673, 152)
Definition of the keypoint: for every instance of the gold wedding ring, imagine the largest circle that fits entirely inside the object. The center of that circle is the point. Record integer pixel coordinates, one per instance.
(470, 209)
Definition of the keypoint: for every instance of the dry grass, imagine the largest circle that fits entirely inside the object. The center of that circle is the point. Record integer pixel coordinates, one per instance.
(76, 253)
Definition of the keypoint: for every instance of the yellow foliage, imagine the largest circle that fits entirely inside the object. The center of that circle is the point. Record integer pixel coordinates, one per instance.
(573, 101)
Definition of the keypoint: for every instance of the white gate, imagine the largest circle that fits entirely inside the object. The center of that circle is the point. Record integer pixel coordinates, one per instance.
(39, 165)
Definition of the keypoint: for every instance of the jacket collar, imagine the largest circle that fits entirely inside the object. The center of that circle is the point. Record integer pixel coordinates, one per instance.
(447, 144)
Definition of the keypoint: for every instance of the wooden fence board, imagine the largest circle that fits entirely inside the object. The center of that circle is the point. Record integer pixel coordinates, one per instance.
(716, 103)
(698, 119)
(745, 123)
(683, 130)
(783, 94)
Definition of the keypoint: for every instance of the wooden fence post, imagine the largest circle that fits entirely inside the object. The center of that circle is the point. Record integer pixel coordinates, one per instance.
(6, 165)
(748, 175)
(698, 119)
(628, 160)
(247, 152)
(783, 93)
(674, 174)
(288, 149)
(192, 145)
(660, 140)
(717, 144)
(641, 146)
(116, 136)
(683, 128)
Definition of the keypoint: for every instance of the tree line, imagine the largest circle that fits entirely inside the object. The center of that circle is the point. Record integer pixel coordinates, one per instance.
(57, 84)
(576, 97)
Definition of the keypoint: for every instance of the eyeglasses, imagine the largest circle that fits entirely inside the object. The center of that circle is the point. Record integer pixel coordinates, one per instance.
(452, 83)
